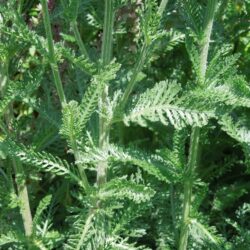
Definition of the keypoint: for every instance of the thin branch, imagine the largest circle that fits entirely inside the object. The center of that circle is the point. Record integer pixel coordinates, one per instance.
(79, 39)
(140, 62)
(52, 57)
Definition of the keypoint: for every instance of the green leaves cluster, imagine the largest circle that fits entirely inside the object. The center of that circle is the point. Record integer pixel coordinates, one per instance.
(138, 80)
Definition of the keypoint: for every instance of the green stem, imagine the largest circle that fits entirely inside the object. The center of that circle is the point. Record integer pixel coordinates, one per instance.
(18, 169)
(107, 44)
(106, 56)
(79, 39)
(80, 167)
(4, 72)
(195, 136)
(162, 7)
(173, 209)
(76, 153)
(57, 79)
(23, 197)
(208, 26)
(188, 186)
(52, 57)
(20, 6)
(137, 69)
(140, 63)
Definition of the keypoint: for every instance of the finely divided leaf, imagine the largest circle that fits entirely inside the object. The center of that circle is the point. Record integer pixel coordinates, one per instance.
(162, 104)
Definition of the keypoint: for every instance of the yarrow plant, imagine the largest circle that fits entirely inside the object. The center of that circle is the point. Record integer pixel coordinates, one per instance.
(122, 124)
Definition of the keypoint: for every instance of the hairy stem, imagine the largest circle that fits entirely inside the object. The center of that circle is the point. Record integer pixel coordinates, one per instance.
(195, 136)
(52, 57)
(106, 56)
(80, 167)
(188, 186)
(208, 26)
(23, 198)
(107, 44)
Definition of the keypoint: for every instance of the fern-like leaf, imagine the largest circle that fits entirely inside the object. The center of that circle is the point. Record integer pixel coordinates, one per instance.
(193, 14)
(236, 130)
(161, 103)
(82, 232)
(118, 243)
(120, 189)
(75, 117)
(91, 97)
(8, 238)
(21, 88)
(72, 123)
(81, 62)
(203, 234)
(152, 164)
(42, 160)
(43, 204)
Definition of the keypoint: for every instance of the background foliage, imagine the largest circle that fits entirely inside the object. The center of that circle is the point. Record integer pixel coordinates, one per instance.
(104, 162)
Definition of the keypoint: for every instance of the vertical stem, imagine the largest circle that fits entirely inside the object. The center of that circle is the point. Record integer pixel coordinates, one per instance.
(140, 63)
(106, 56)
(173, 214)
(208, 26)
(137, 69)
(4, 68)
(20, 6)
(52, 57)
(107, 44)
(188, 186)
(18, 169)
(23, 198)
(162, 7)
(22, 194)
(57, 79)
(195, 136)
(80, 168)
(79, 39)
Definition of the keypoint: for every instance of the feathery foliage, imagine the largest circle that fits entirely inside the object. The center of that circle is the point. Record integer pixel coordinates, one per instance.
(162, 103)
(124, 124)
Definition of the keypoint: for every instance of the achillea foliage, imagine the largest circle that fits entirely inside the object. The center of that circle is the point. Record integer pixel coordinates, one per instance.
(124, 125)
